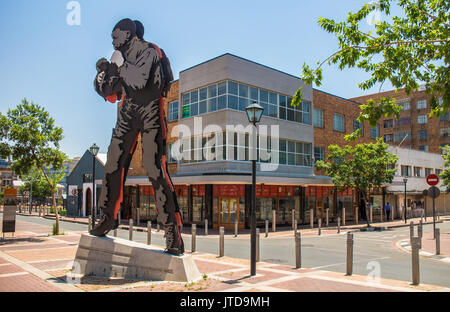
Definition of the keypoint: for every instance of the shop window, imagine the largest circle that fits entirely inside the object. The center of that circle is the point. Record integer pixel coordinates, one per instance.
(264, 207)
(198, 207)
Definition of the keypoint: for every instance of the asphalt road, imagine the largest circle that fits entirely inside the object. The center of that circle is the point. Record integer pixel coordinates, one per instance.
(374, 252)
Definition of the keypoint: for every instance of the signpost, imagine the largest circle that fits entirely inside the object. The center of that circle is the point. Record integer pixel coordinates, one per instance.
(433, 192)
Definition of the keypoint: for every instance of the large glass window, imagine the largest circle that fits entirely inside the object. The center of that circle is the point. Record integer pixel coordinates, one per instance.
(406, 171)
(319, 153)
(339, 122)
(422, 119)
(423, 135)
(374, 132)
(318, 117)
(422, 104)
(357, 125)
(404, 103)
(444, 132)
(399, 136)
(173, 111)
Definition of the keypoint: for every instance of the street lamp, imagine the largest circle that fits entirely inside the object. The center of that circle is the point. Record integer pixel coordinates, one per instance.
(405, 180)
(94, 151)
(254, 113)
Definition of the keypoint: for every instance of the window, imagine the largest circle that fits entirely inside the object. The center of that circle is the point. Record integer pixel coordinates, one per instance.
(444, 132)
(404, 103)
(339, 122)
(406, 171)
(399, 136)
(388, 138)
(169, 153)
(319, 153)
(374, 132)
(173, 111)
(318, 117)
(446, 117)
(428, 171)
(417, 171)
(423, 135)
(422, 119)
(404, 121)
(437, 171)
(422, 104)
(423, 148)
(388, 123)
(357, 125)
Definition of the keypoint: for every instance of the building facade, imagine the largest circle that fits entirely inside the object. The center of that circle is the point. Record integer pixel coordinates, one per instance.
(415, 129)
(6, 175)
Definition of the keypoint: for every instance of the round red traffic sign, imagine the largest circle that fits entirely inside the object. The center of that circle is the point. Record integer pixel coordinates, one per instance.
(432, 179)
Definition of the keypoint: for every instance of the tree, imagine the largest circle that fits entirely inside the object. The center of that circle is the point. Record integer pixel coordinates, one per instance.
(361, 167)
(28, 134)
(410, 50)
(445, 175)
(41, 189)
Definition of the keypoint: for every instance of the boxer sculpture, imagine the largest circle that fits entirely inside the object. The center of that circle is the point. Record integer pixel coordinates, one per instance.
(138, 75)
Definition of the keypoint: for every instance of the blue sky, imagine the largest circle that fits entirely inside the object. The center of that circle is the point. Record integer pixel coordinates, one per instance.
(47, 61)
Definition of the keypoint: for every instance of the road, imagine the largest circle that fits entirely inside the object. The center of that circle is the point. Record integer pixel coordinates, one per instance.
(373, 251)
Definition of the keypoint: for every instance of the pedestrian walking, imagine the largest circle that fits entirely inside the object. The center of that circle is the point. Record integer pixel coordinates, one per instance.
(387, 210)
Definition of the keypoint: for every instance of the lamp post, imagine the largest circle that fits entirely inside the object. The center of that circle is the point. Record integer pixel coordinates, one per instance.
(405, 180)
(254, 113)
(94, 151)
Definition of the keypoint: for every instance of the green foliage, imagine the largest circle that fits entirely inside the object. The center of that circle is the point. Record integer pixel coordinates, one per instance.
(361, 167)
(41, 188)
(410, 50)
(28, 134)
(445, 175)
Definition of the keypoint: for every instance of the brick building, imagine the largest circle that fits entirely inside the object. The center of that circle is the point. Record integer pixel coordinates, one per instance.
(415, 129)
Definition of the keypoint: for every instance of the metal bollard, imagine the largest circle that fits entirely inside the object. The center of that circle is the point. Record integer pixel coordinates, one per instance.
(415, 261)
(235, 228)
(411, 231)
(274, 220)
(320, 227)
(257, 245)
(221, 241)
(130, 235)
(89, 223)
(118, 217)
(206, 227)
(349, 253)
(437, 236)
(138, 217)
(343, 216)
(295, 226)
(327, 220)
(293, 217)
(115, 233)
(311, 218)
(370, 213)
(298, 247)
(194, 236)
(420, 233)
(339, 225)
(157, 227)
(356, 216)
(267, 228)
(149, 232)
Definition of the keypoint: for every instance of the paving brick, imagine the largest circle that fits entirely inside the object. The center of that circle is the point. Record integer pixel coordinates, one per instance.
(26, 283)
(209, 267)
(8, 269)
(52, 265)
(46, 254)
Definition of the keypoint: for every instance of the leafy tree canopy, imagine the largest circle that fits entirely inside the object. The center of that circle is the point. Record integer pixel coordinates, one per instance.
(445, 176)
(409, 50)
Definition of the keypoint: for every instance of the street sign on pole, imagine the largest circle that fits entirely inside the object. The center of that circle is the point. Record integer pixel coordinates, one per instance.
(433, 179)
(433, 192)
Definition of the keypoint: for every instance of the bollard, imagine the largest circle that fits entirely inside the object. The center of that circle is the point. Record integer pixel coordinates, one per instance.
(89, 223)
(235, 228)
(194, 234)
(130, 235)
(293, 217)
(411, 231)
(327, 217)
(437, 236)
(118, 217)
(138, 217)
(370, 213)
(339, 225)
(356, 216)
(381, 214)
(267, 228)
(157, 227)
(206, 227)
(221, 241)
(298, 254)
(415, 261)
(320, 227)
(115, 232)
(274, 220)
(343, 216)
(149, 232)
(257, 245)
(311, 218)
(295, 226)
(349, 253)
(420, 233)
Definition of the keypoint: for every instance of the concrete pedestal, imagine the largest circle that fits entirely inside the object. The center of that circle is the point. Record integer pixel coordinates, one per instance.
(116, 257)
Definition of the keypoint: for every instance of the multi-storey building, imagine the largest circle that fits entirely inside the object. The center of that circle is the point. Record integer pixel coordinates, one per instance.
(6, 175)
(415, 129)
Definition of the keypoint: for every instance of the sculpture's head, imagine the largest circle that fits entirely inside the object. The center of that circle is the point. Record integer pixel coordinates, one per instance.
(123, 32)
(139, 30)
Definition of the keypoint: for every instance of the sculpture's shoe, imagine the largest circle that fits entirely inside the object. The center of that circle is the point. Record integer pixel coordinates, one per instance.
(105, 225)
(174, 241)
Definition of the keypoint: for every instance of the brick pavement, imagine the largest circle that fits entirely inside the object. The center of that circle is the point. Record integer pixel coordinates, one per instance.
(34, 261)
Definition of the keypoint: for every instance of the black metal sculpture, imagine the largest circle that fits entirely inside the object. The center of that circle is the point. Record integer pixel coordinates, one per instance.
(139, 75)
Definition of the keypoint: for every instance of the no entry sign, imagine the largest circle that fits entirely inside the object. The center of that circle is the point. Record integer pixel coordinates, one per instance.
(432, 179)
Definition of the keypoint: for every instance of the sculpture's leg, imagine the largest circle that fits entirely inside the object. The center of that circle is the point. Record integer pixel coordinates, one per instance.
(120, 150)
(155, 162)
